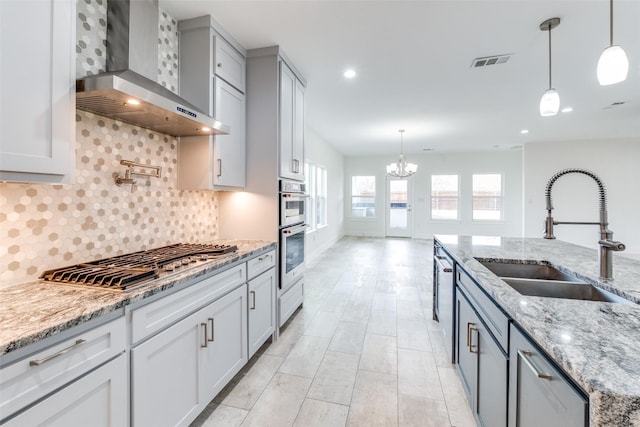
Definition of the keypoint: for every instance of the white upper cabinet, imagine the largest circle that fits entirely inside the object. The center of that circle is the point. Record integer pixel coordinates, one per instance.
(291, 125)
(37, 91)
(213, 78)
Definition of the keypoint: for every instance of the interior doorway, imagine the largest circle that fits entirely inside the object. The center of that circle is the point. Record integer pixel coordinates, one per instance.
(398, 207)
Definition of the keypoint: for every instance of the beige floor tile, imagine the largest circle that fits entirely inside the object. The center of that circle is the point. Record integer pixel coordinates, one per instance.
(287, 340)
(418, 374)
(279, 404)
(413, 335)
(410, 310)
(305, 357)
(382, 323)
(384, 302)
(455, 398)
(249, 384)
(375, 400)
(220, 415)
(379, 354)
(316, 413)
(324, 324)
(443, 358)
(348, 338)
(414, 411)
(335, 378)
(357, 310)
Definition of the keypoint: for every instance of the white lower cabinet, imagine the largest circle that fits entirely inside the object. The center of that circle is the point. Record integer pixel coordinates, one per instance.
(262, 319)
(96, 399)
(176, 373)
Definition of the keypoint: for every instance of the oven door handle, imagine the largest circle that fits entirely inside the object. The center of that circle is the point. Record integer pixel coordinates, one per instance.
(294, 230)
(292, 195)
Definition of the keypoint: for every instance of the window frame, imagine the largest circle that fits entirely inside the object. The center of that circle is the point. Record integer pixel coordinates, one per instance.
(457, 198)
(314, 191)
(374, 199)
(501, 198)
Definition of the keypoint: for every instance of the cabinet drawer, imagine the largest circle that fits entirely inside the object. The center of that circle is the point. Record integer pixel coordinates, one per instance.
(158, 315)
(497, 322)
(290, 301)
(229, 64)
(36, 376)
(260, 264)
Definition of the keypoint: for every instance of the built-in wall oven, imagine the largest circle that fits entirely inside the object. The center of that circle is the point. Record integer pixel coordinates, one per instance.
(293, 203)
(293, 200)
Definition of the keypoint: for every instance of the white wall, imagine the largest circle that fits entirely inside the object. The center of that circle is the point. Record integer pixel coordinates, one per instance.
(321, 153)
(509, 163)
(575, 197)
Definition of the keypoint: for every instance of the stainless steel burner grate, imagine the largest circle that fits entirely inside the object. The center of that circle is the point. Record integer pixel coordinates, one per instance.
(131, 271)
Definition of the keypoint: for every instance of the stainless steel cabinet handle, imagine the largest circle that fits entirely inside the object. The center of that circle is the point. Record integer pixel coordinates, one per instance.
(253, 300)
(471, 346)
(444, 268)
(262, 258)
(524, 354)
(211, 322)
(38, 362)
(469, 335)
(219, 168)
(205, 335)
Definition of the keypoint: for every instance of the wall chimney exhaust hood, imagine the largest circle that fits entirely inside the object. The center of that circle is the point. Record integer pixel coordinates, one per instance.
(128, 91)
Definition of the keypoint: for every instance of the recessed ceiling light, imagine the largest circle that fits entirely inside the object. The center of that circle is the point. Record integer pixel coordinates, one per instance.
(567, 109)
(350, 73)
(524, 131)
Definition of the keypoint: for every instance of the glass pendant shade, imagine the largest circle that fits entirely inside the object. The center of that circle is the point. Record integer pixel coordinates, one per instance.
(549, 103)
(613, 66)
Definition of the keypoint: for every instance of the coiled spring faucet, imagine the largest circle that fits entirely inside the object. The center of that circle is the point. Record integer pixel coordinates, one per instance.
(606, 242)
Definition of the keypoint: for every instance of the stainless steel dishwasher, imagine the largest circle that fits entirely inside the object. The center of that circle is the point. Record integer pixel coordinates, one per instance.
(443, 296)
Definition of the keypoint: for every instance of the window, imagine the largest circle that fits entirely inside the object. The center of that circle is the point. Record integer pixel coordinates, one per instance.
(316, 181)
(487, 197)
(444, 197)
(363, 196)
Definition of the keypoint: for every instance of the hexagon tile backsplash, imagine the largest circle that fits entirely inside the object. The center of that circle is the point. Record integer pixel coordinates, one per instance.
(46, 226)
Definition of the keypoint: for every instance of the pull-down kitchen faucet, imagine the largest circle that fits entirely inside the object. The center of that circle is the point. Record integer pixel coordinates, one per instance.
(606, 242)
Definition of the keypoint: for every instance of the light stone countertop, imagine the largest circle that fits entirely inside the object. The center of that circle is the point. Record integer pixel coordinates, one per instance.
(596, 343)
(34, 311)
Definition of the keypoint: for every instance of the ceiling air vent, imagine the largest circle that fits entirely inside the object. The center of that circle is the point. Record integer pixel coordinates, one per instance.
(490, 60)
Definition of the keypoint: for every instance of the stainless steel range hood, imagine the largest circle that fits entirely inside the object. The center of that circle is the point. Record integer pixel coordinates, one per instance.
(128, 91)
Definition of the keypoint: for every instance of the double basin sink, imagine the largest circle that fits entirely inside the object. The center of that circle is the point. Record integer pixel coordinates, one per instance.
(542, 280)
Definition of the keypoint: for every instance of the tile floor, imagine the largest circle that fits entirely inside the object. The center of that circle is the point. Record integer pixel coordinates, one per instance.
(362, 351)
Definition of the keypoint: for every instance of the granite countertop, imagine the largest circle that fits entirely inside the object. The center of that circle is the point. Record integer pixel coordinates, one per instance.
(37, 310)
(596, 343)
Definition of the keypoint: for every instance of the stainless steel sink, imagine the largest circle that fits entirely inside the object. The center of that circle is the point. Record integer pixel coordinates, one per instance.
(527, 271)
(542, 280)
(561, 289)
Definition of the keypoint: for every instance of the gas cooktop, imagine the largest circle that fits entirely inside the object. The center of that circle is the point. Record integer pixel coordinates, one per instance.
(132, 271)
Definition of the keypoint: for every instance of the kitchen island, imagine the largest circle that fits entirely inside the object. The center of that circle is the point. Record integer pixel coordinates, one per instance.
(594, 343)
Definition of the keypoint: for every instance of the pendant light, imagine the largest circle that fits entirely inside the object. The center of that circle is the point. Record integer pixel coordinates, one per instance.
(401, 169)
(613, 64)
(550, 101)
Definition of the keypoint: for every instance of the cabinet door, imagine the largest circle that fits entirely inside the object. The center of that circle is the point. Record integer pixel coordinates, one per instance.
(262, 294)
(229, 150)
(97, 399)
(466, 350)
(37, 91)
(491, 400)
(226, 351)
(287, 105)
(298, 132)
(538, 394)
(165, 375)
(229, 64)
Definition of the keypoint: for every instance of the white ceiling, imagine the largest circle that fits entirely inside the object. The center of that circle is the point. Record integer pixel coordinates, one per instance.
(413, 62)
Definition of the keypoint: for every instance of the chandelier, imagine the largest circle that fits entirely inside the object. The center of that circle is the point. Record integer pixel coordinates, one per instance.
(401, 169)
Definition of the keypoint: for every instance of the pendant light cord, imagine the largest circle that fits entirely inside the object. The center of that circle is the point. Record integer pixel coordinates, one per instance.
(550, 57)
(610, 22)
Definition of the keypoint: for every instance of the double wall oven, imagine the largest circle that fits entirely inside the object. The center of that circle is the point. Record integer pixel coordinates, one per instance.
(293, 204)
